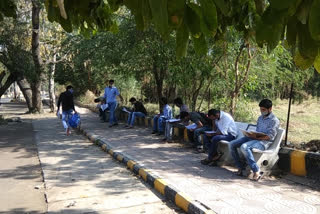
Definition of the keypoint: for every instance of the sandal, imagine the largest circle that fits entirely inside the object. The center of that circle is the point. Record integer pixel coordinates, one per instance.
(256, 176)
(205, 161)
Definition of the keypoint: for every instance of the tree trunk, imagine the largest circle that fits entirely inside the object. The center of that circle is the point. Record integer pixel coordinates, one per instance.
(158, 76)
(52, 95)
(26, 91)
(36, 84)
(7, 84)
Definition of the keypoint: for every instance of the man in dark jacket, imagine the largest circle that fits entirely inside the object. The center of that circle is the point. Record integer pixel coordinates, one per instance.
(66, 98)
(138, 111)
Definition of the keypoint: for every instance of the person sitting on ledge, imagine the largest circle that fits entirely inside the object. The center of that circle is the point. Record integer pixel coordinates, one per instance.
(224, 128)
(137, 111)
(160, 119)
(268, 124)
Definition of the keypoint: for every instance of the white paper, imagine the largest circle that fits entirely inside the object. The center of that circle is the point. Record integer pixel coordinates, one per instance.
(192, 126)
(246, 133)
(104, 107)
(210, 132)
(173, 120)
(125, 110)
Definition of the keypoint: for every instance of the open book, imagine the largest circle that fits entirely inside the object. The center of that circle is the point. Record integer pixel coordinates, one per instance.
(125, 110)
(173, 120)
(210, 132)
(104, 107)
(192, 126)
(257, 134)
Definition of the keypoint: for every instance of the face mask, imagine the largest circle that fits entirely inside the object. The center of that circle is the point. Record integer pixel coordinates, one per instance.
(71, 90)
(264, 113)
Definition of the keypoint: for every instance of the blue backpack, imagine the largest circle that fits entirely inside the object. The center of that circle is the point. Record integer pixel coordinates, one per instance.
(74, 121)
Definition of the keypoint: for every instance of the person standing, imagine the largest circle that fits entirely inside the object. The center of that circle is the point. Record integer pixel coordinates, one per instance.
(268, 124)
(66, 98)
(110, 94)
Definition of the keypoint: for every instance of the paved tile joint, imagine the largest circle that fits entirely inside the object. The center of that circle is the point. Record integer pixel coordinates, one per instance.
(176, 173)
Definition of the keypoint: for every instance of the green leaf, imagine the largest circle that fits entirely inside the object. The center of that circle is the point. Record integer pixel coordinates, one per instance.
(160, 16)
(314, 20)
(182, 40)
(292, 31)
(316, 62)
(193, 19)
(308, 47)
(281, 4)
(209, 14)
(301, 62)
(200, 45)
(223, 6)
(176, 10)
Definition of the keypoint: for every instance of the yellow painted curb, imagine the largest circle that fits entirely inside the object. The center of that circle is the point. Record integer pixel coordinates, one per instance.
(130, 164)
(104, 147)
(119, 158)
(143, 174)
(182, 201)
(298, 163)
(176, 131)
(210, 212)
(151, 122)
(159, 185)
(146, 122)
(185, 135)
(110, 151)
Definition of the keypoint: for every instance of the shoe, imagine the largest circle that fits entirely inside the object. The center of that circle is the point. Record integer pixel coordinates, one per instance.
(115, 124)
(110, 125)
(153, 132)
(164, 139)
(217, 157)
(213, 163)
(160, 134)
(200, 149)
(68, 131)
(205, 161)
(129, 127)
(125, 126)
(239, 172)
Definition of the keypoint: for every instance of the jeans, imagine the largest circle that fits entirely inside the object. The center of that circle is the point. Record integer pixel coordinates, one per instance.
(194, 136)
(112, 115)
(246, 145)
(66, 115)
(132, 117)
(213, 145)
(158, 123)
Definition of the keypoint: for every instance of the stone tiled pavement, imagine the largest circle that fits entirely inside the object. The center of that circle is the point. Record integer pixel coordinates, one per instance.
(215, 187)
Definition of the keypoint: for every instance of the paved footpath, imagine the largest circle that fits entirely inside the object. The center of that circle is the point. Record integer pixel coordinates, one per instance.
(215, 187)
(78, 176)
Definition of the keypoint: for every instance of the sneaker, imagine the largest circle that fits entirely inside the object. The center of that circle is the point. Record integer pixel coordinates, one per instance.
(206, 161)
(217, 157)
(110, 125)
(68, 131)
(154, 132)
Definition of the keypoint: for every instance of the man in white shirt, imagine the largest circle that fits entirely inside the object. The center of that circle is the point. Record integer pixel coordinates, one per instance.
(225, 129)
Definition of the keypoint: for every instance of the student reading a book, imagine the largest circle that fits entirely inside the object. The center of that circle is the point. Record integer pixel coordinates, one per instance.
(203, 123)
(225, 129)
(267, 123)
(170, 124)
(160, 119)
(138, 111)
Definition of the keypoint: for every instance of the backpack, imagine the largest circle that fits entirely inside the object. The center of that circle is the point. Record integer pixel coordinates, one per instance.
(74, 121)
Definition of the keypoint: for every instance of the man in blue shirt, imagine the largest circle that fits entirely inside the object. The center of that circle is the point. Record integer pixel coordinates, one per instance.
(268, 124)
(160, 119)
(110, 94)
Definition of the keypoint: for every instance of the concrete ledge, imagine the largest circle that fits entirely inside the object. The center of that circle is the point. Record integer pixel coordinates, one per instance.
(180, 199)
(300, 163)
(296, 162)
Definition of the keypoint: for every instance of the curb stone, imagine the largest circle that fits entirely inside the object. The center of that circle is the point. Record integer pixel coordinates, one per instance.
(180, 199)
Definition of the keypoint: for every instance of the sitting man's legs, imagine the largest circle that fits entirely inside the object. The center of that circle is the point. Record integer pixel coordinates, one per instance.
(233, 148)
(197, 133)
(161, 123)
(213, 148)
(129, 118)
(246, 149)
(155, 124)
(133, 117)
